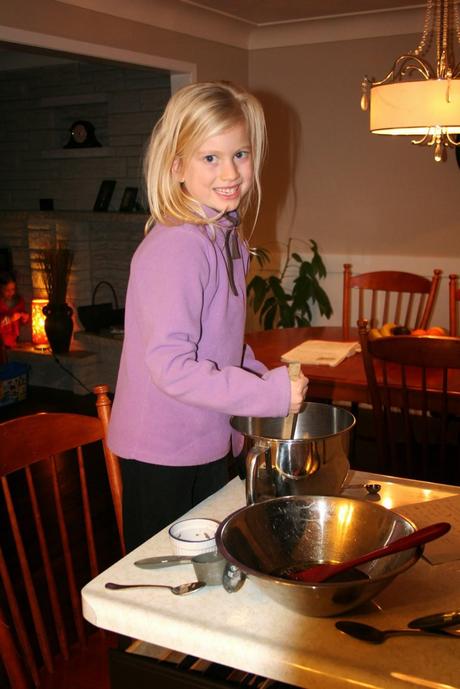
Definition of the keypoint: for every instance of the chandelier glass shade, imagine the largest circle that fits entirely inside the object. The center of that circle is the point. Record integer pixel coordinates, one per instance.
(416, 98)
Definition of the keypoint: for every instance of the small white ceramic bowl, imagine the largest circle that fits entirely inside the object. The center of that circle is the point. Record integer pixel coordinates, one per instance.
(193, 536)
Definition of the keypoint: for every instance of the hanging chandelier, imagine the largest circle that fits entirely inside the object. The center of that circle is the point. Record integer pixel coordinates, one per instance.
(415, 98)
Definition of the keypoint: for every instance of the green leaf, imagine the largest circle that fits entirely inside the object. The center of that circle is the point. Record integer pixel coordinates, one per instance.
(269, 318)
(262, 255)
(306, 269)
(317, 261)
(279, 308)
(302, 322)
(286, 316)
(324, 304)
(258, 286)
(277, 289)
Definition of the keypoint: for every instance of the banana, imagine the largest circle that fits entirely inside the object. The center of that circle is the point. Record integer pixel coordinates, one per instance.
(374, 333)
(387, 328)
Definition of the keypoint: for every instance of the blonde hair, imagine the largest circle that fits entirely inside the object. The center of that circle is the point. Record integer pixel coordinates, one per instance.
(193, 114)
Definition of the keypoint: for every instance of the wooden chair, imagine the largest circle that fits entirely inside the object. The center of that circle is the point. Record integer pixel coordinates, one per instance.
(454, 298)
(408, 299)
(104, 406)
(416, 425)
(56, 534)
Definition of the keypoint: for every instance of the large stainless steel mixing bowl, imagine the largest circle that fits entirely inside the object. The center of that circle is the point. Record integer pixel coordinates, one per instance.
(267, 537)
(312, 462)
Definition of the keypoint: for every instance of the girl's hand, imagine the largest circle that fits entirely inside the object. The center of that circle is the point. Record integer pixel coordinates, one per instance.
(299, 388)
(24, 317)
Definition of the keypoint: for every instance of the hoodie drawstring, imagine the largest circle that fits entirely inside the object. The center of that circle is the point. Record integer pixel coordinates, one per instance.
(231, 247)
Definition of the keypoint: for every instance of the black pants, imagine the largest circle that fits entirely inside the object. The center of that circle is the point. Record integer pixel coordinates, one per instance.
(155, 495)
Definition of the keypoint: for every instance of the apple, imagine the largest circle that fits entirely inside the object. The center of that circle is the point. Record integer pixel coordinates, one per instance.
(418, 332)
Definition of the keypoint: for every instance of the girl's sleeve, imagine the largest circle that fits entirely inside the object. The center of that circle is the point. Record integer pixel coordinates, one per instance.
(250, 363)
(169, 298)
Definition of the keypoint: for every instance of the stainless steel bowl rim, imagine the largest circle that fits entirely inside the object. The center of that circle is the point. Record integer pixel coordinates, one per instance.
(313, 438)
(284, 582)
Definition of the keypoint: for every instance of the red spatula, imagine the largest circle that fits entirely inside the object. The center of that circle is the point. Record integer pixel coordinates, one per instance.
(319, 573)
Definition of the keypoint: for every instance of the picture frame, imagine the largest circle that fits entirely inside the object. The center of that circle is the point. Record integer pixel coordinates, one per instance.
(104, 195)
(128, 201)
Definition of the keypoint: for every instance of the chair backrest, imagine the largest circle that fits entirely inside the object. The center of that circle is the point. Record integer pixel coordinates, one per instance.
(53, 537)
(10, 657)
(416, 418)
(454, 298)
(389, 296)
(104, 406)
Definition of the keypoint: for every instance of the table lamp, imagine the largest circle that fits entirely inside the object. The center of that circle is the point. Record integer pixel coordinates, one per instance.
(39, 339)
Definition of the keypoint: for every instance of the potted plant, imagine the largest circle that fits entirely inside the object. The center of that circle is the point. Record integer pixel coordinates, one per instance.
(55, 264)
(279, 308)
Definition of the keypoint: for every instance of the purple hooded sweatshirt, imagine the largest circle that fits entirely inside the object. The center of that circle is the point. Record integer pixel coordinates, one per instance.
(184, 369)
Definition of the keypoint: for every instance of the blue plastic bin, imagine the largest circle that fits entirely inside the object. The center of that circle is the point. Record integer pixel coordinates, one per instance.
(13, 383)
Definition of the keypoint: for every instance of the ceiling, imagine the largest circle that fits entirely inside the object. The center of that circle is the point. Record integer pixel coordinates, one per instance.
(263, 12)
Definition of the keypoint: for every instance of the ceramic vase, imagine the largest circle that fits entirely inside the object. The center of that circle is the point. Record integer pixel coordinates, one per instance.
(58, 326)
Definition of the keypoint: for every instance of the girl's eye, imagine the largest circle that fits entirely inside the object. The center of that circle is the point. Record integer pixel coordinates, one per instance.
(241, 154)
(210, 158)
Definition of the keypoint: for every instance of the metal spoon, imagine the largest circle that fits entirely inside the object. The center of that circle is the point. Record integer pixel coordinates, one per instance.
(180, 590)
(321, 572)
(372, 635)
(372, 488)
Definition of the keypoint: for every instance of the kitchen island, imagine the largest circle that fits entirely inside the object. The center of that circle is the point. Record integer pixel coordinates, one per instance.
(249, 631)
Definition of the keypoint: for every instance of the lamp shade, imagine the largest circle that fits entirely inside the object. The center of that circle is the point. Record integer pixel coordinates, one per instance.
(416, 108)
(38, 322)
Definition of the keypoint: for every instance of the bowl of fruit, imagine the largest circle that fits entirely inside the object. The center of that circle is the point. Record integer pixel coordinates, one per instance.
(391, 329)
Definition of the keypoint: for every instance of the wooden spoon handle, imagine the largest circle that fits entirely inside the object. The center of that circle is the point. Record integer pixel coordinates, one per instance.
(320, 573)
(294, 372)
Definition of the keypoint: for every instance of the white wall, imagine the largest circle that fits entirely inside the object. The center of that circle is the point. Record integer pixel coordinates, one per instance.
(375, 202)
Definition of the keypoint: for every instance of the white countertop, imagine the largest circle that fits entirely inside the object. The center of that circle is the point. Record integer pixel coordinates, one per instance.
(249, 631)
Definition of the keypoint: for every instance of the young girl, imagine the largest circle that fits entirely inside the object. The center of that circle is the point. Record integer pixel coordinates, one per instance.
(12, 310)
(184, 368)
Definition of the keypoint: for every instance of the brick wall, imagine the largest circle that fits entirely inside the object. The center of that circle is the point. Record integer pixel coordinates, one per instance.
(37, 108)
(103, 244)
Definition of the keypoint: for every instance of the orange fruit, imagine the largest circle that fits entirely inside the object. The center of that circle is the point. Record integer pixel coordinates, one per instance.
(436, 330)
(418, 331)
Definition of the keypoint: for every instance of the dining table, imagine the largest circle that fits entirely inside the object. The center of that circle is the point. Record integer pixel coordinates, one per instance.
(249, 631)
(346, 381)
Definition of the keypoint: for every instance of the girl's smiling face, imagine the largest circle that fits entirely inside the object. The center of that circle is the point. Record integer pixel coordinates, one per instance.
(219, 173)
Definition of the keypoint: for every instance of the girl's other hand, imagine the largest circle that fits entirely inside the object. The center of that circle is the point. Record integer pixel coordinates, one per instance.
(299, 388)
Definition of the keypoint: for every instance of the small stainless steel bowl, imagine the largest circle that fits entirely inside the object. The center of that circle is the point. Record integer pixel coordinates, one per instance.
(268, 537)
